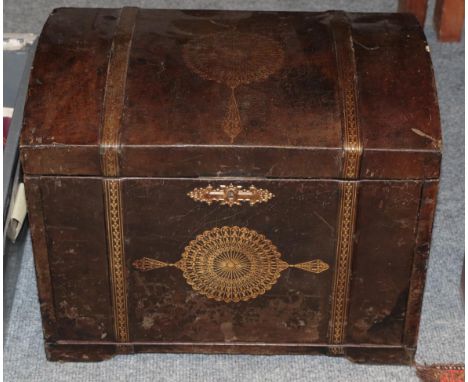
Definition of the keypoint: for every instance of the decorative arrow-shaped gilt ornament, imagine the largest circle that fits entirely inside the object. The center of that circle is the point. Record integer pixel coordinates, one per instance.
(230, 195)
(231, 264)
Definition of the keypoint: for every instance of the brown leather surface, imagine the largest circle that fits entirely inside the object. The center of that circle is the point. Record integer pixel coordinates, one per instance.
(182, 127)
(395, 81)
(300, 221)
(382, 260)
(420, 261)
(88, 352)
(76, 247)
(296, 109)
(65, 96)
(41, 257)
(160, 220)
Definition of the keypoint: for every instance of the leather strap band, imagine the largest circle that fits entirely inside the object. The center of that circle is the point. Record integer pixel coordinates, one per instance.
(352, 150)
(109, 149)
(115, 92)
(346, 65)
(116, 254)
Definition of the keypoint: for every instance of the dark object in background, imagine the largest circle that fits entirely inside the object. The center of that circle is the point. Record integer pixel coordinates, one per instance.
(449, 16)
(6, 126)
(238, 182)
(18, 53)
(416, 7)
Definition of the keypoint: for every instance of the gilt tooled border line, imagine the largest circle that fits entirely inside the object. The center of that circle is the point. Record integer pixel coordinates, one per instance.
(109, 149)
(346, 67)
(114, 93)
(115, 242)
(352, 151)
(344, 250)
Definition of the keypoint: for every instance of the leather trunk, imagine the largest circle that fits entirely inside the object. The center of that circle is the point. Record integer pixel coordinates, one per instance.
(231, 182)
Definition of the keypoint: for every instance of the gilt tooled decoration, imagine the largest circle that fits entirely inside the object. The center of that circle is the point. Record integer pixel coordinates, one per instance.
(230, 195)
(233, 58)
(231, 264)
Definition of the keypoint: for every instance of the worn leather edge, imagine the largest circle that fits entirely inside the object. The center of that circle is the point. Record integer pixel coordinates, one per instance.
(227, 344)
(116, 256)
(41, 257)
(114, 94)
(101, 352)
(81, 353)
(166, 162)
(425, 223)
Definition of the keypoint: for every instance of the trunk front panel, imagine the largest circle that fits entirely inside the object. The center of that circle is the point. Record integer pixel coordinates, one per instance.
(286, 261)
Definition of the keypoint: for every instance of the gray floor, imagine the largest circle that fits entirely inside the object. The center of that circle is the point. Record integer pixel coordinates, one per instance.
(442, 327)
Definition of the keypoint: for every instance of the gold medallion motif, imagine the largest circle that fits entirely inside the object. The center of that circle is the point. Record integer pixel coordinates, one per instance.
(231, 264)
(233, 58)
